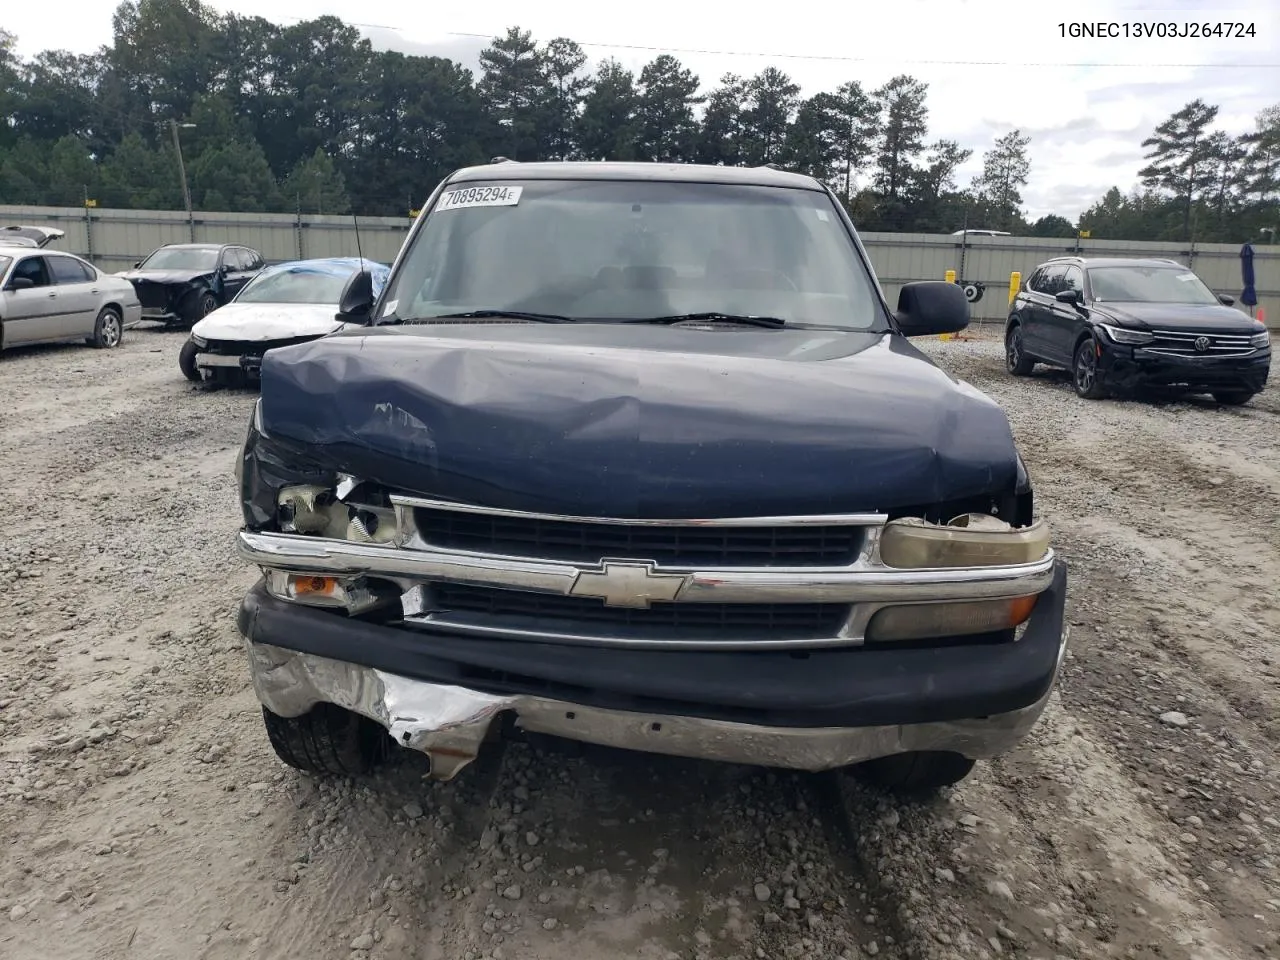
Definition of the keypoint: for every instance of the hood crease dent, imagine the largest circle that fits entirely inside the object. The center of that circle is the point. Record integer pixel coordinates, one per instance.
(641, 422)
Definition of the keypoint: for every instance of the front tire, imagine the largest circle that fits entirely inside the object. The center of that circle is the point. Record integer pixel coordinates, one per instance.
(187, 361)
(108, 329)
(328, 740)
(1234, 398)
(1084, 371)
(1016, 360)
(201, 307)
(914, 774)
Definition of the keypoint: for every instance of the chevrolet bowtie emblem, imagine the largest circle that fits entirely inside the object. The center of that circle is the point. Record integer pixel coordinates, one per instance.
(628, 584)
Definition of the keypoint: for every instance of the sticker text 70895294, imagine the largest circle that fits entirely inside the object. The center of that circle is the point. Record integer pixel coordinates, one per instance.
(490, 196)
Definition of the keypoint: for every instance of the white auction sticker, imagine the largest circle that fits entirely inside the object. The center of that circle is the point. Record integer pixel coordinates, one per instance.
(492, 196)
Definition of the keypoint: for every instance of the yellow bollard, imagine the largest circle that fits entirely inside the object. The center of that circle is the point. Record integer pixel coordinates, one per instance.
(1015, 284)
(951, 278)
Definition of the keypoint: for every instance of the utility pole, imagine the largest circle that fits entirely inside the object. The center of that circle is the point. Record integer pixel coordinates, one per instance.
(182, 172)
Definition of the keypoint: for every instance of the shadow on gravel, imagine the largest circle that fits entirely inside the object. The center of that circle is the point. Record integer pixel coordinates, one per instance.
(675, 851)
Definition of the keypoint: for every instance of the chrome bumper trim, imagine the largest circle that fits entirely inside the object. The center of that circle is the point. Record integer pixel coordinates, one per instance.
(450, 723)
(803, 520)
(862, 581)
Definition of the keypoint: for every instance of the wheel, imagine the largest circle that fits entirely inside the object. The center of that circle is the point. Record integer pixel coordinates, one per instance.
(921, 772)
(206, 305)
(1084, 371)
(187, 361)
(108, 330)
(1015, 360)
(1234, 398)
(327, 739)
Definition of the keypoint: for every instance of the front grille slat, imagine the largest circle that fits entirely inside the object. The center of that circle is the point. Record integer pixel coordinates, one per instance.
(691, 546)
(1181, 343)
(553, 613)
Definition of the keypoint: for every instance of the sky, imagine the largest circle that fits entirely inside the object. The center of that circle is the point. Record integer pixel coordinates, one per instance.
(991, 65)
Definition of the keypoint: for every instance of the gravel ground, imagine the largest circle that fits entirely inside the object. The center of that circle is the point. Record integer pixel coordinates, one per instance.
(144, 815)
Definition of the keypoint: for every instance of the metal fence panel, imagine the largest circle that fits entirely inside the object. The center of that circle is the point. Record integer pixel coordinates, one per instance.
(114, 239)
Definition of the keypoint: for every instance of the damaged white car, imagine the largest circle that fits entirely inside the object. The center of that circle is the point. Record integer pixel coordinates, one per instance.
(283, 305)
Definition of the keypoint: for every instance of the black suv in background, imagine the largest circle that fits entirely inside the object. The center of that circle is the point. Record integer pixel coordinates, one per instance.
(1122, 324)
(181, 283)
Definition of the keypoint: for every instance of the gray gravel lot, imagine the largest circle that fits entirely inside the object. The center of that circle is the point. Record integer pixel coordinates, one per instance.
(144, 816)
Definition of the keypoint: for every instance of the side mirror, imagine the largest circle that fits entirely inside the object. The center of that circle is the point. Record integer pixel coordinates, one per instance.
(356, 303)
(930, 307)
(137, 264)
(21, 283)
(1073, 297)
(1227, 300)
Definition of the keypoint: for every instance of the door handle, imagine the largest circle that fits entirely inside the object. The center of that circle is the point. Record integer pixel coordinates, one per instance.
(52, 294)
(94, 290)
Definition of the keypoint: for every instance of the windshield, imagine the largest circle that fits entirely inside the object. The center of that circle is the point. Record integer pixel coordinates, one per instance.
(617, 250)
(181, 258)
(296, 285)
(1170, 284)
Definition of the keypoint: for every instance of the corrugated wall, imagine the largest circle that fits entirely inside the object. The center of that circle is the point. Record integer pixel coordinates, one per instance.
(900, 257)
(114, 239)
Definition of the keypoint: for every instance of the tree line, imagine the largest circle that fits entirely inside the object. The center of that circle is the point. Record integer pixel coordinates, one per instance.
(311, 118)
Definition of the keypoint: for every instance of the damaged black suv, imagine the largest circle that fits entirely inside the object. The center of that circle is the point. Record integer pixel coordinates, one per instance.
(638, 455)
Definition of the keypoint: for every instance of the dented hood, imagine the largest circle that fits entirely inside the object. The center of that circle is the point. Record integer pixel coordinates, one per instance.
(640, 421)
(268, 321)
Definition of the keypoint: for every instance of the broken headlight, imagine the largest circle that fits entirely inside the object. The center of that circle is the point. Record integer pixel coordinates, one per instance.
(321, 511)
(970, 540)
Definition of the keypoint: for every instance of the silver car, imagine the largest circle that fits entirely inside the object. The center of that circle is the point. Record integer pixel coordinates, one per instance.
(49, 296)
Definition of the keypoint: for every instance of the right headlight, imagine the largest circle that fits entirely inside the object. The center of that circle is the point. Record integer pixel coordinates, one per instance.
(200, 342)
(1129, 337)
(1260, 340)
(971, 540)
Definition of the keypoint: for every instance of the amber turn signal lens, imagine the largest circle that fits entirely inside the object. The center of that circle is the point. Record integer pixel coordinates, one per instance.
(311, 586)
(926, 621)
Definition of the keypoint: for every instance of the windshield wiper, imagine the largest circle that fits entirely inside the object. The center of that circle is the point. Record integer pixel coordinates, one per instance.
(770, 322)
(485, 314)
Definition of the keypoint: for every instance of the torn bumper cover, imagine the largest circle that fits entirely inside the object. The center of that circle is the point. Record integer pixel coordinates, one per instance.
(440, 695)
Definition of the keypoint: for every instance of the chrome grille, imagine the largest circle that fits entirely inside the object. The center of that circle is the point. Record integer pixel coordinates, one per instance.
(487, 609)
(578, 541)
(1182, 343)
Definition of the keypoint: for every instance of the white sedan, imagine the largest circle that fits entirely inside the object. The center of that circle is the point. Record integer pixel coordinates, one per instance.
(49, 296)
(284, 304)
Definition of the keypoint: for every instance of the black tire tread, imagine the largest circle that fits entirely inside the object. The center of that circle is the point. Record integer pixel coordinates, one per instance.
(1025, 365)
(327, 740)
(917, 773)
(1234, 398)
(1097, 391)
(187, 361)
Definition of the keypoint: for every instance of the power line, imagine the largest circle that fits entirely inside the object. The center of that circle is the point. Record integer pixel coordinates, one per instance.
(841, 59)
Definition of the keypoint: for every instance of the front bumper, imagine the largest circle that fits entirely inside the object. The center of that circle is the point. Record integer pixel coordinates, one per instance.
(439, 693)
(210, 364)
(1134, 368)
